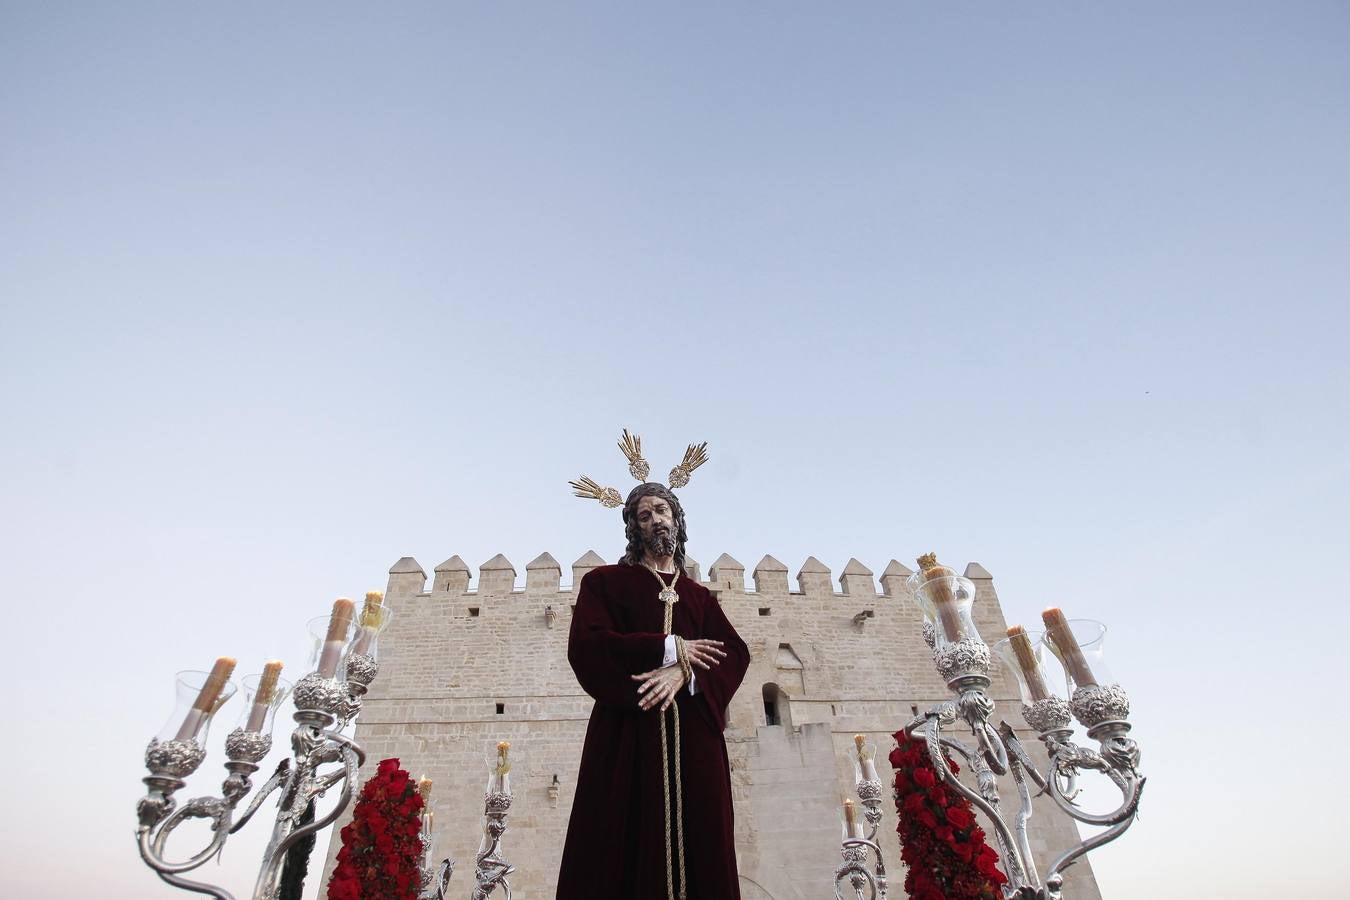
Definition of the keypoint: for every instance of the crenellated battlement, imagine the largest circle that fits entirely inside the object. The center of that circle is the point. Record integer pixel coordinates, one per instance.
(543, 575)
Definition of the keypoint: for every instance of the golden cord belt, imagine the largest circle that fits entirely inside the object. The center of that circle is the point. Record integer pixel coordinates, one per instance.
(667, 592)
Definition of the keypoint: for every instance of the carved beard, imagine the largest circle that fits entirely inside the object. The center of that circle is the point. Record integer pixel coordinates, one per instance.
(660, 541)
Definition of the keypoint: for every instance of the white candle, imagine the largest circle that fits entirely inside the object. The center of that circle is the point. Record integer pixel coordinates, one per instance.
(865, 762)
(851, 820)
(1061, 635)
(370, 620)
(336, 639)
(262, 701)
(500, 782)
(205, 703)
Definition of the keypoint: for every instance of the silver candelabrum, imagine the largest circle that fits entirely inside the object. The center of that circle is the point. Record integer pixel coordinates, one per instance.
(865, 882)
(490, 869)
(324, 706)
(964, 661)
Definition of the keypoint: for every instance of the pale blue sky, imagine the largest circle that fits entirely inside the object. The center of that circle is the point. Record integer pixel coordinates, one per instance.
(286, 294)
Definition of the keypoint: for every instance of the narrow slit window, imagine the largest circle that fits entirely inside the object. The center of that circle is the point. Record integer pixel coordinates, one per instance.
(501, 709)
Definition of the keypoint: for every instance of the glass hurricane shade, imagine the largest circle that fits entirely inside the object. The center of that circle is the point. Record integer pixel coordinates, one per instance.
(1027, 682)
(1086, 662)
(856, 830)
(946, 602)
(499, 775)
(865, 770)
(257, 717)
(370, 624)
(324, 655)
(186, 722)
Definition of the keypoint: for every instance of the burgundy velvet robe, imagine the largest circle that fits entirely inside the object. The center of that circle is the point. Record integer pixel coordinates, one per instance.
(616, 839)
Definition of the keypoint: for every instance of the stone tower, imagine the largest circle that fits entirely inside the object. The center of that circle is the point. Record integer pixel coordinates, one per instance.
(463, 667)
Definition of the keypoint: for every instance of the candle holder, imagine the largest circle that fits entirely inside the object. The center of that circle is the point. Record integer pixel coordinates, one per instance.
(868, 785)
(490, 869)
(1041, 709)
(946, 602)
(1102, 708)
(435, 879)
(853, 869)
(300, 779)
(362, 657)
(251, 739)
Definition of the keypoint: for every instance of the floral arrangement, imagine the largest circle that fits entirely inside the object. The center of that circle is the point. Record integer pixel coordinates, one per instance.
(381, 855)
(940, 842)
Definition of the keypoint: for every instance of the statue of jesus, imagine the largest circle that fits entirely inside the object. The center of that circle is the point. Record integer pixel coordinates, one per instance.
(652, 817)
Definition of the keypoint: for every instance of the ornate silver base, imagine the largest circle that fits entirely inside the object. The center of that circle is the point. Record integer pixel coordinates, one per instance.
(324, 694)
(247, 746)
(865, 885)
(362, 669)
(1050, 714)
(964, 657)
(175, 759)
(490, 870)
(869, 794)
(1094, 704)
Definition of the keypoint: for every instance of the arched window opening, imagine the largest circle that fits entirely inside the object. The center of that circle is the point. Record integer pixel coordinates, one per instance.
(775, 705)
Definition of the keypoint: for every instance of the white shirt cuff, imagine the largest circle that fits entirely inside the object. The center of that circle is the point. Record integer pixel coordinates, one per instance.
(672, 657)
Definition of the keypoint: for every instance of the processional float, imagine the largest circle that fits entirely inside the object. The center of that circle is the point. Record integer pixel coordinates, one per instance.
(346, 662)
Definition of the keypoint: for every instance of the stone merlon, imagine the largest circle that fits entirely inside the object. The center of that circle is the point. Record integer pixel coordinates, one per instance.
(814, 577)
(726, 572)
(771, 575)
(406, 577)
(452, 575)
(496, 575)
(856, 580)
(589, 560)
(975, 570)
(893, 579)
(543, 573)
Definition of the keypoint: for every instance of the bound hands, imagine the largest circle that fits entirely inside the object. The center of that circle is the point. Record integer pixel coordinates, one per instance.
(662, 685)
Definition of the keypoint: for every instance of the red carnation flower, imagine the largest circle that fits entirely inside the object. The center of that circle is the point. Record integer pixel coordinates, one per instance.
(960, 817)
(947, 860)
(381, 855)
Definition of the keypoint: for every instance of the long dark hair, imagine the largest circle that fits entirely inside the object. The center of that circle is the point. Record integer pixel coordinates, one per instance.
(633, 555)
